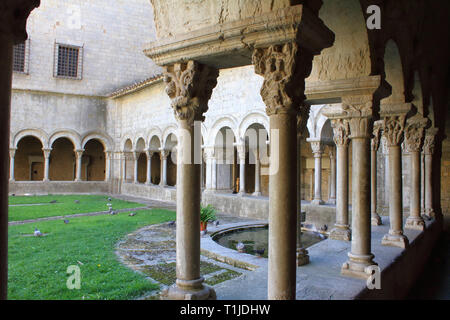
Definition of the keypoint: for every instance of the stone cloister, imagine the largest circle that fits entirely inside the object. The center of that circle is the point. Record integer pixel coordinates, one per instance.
(257, 110)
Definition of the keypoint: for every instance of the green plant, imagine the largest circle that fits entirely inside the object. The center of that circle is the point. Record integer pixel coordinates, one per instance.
(207, 213)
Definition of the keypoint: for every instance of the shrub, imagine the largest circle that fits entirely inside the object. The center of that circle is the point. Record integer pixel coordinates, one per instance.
(207, 213)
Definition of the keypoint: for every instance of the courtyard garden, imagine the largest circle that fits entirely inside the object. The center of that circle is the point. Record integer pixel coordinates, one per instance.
(38, 265)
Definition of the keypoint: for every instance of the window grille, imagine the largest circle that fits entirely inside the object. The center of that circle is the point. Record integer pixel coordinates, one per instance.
(68, 61)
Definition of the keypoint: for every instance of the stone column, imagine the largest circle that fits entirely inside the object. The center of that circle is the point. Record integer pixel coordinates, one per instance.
(241, 154)
(428, 150)
(375, 143)
(317, 149)
(189, 85)
(12, 154)
(257, 174)
(332, 154)
(385, 151)
(413, 142)
(108, 166)
(136, 161)
(12, 31)
(209, 155)
(79, 157)
(302, 253)
(359, 112)
(283, 67)
(341, 132)
(46, 163)
(163, 156)
(213, 173)
(393, 128)
(148, 180)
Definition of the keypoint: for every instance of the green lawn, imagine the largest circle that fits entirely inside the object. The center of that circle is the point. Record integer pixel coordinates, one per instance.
(65, 205)
(37, 265)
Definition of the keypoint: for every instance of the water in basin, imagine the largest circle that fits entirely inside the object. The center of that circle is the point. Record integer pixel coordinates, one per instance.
(257, 238)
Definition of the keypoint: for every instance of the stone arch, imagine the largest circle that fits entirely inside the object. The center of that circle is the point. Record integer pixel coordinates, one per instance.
(171, 129)
(140, 145)
(62, 164)
(71, 135)
(251, 118)
(41, 135)
(154, 132)
(103, 138)
(29, 159)
(93, 162)
(127, 144)
(226, 121)
(394, 73)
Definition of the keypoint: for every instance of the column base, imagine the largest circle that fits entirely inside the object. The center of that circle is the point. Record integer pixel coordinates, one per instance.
(356, 265)
(395, 240)
(341, 232)
(331, 201)
(302, 257)
(429, 214)
(415, 223)
(376, 219)
(241, 193)
(189, 290)
(317, 202)
(257, 194)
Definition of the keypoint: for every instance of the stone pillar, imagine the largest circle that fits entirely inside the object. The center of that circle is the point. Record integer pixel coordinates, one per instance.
(163, 156)
(375, 143)
(393, 128)
(359, 112)
(213, 173)
(302, 253)
(108, 166)
(12, 31)
(283, 67)
(341, 132)
(385, 151)
(148, 180)
(241, 154)
(317, 149)
(136, 162)
(413, 142)
(189, 85)
(12, 154)
(46, 163)
(422, 183)
(257, 174)
(428, 150)
(209, 155)
(79, 157)
(332, 155)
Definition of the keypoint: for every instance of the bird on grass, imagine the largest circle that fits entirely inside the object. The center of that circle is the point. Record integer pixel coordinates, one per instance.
(109, 199)
(113, 212)
(216, 223)
(260, 252)
(77, 201)
(53, 201)
(171, 224)
(37, 233)
(132, 214)
(66, 221)
(240, 246)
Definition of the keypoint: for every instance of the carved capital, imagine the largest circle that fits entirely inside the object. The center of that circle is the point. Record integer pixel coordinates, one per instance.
(375, 141)
(189, 85)
(12, 152)
(393, 129)
(47, 152)
(164, 154)
(341, 131)
(429, 141)
(13, 17)
(414, 131)
(302, 120)
(358, 110)
(209, 152)
(149, 153)
(241, 152)
(284, 68)
(317, 148)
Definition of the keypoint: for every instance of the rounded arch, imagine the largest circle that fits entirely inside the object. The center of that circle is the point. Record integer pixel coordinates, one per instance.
(154, 143)
(41, 135)
(71, 135)
(154, 132)
(127, 145)
(103, 138)
(220, 123)
(251, 118)
(171, 129)
(394, 73)
(140, 145)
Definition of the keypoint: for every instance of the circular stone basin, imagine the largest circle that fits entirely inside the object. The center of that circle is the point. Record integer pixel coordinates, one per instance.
(257, 238)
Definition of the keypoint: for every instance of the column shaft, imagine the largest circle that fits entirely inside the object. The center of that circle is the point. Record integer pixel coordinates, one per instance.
(375, 218)
(257, 175)
(429, 211)
(283, 208)
(149, 168)
(415, 221)
(46, 164)
(332, 198)
(79, 158)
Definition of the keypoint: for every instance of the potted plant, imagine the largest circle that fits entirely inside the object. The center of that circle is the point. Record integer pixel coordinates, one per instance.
(207, 213)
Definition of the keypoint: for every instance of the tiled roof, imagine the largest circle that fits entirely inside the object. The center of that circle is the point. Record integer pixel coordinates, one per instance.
(136, 86)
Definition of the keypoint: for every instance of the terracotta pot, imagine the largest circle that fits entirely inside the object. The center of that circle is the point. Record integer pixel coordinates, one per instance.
(203, 226)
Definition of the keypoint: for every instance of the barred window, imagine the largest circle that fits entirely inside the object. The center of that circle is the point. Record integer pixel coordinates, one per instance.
(68, 61)
(20, 57)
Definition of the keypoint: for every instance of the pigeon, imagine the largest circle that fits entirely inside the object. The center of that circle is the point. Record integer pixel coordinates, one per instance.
(53, 201)
(132, 214)
(324, 228)
(109, 199)
(113, 212)
(77, 201)
(216, 223)
(171, 224)
(66, 221)
(260, 252)
(240, 247)
(109, 204)
(37, 233)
